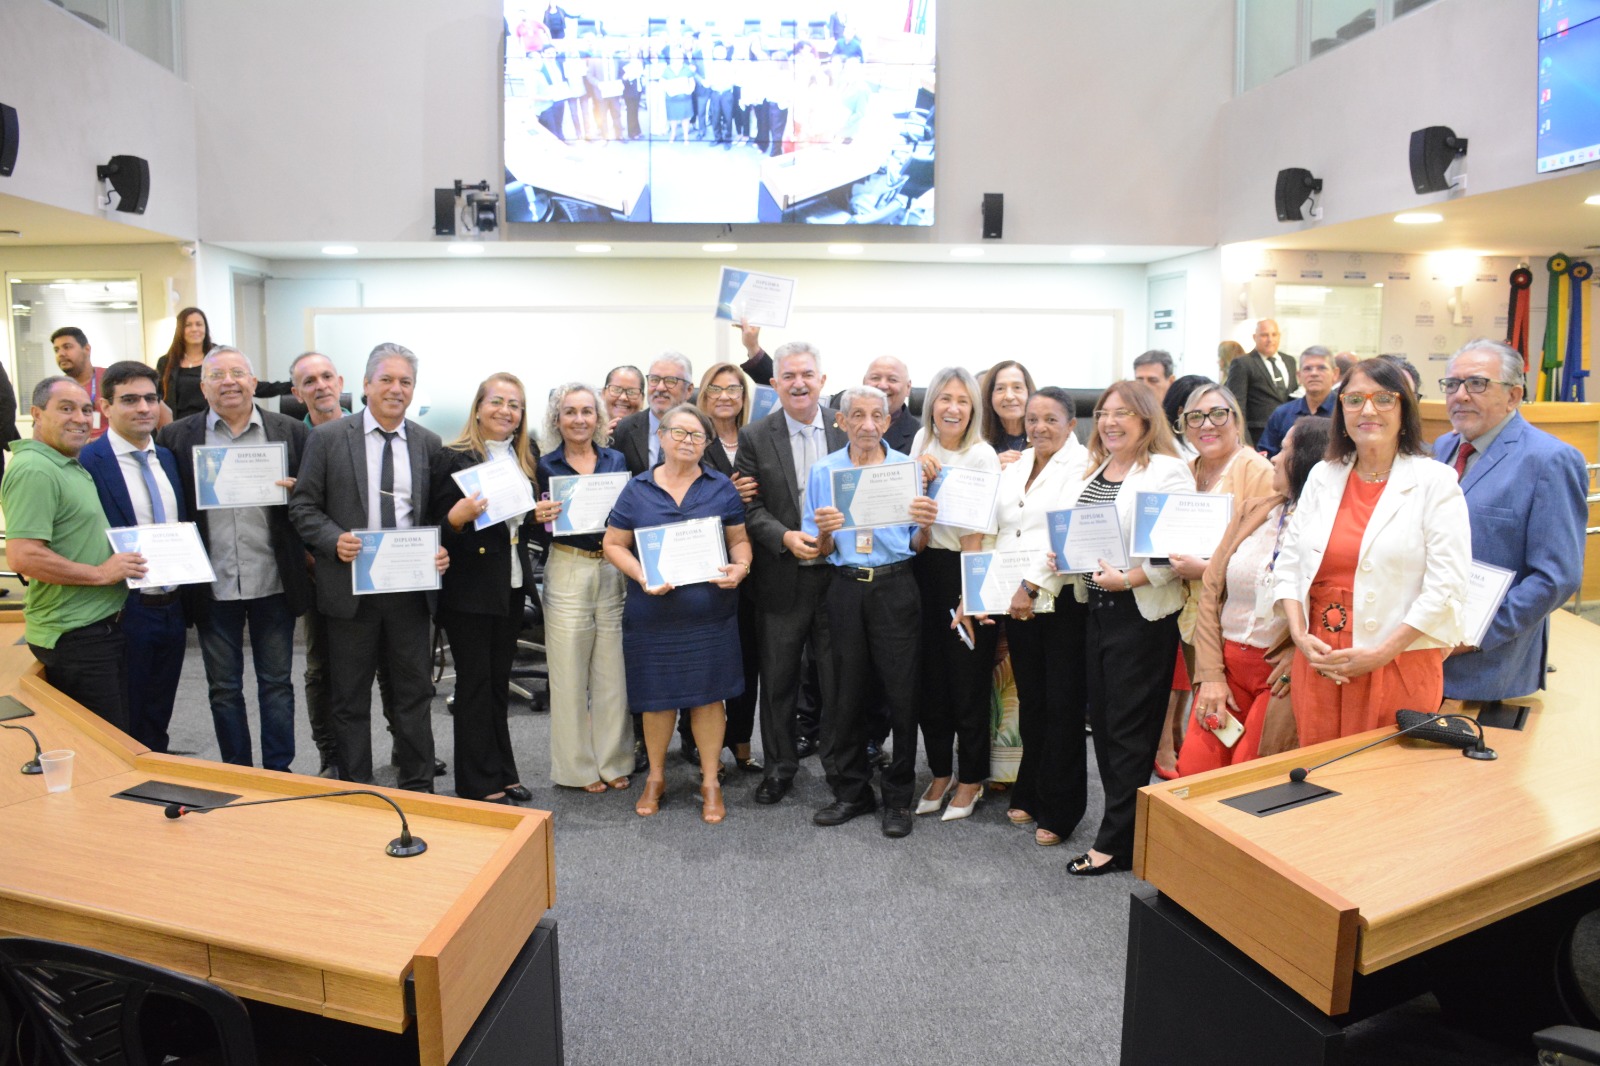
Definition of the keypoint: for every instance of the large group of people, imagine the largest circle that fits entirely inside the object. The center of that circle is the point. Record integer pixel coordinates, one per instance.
(1337, 595)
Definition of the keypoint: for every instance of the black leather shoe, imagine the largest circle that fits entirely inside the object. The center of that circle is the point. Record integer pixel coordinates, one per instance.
(439, 768)
(805, 747)
(1083, 866)
(519, 793)
(691, 753)
(838, 812)
(897, 821)
(330, 771)
(771, 790)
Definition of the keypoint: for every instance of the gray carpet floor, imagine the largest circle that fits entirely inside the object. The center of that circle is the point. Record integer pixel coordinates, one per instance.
(767, 939)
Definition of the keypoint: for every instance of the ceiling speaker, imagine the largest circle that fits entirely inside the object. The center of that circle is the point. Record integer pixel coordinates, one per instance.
(129, 175)
(1432, 151)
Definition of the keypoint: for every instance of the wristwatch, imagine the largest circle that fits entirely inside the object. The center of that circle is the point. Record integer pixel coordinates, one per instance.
(1029, 591)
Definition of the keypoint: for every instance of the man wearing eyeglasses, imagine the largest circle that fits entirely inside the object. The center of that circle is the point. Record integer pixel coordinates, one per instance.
(669, 382)
(259, 561)
(624, 394)
(1316, 374)
(1527, 497)
(1262, 379)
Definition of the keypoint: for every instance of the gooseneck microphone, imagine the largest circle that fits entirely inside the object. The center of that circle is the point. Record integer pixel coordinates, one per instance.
(1416, 721)
(402, 847)
(31, 766)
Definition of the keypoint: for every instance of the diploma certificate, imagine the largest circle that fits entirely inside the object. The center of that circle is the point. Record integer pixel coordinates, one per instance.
(989, 579)
(503, 484)
(763, 403)
(1179, 523)
(1486, 589)
(240, 475)
(1082, 536)
(586, 501)
(966, 498)
(395, 560)
(876, 496)
(172, 551)
(683, 553)
(759, 299)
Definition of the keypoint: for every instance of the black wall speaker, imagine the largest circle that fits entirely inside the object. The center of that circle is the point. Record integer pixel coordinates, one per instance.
(1295, 186)
(444, 212)
(994, 209)
(8, 140)
(129, 175)
(1432, 151)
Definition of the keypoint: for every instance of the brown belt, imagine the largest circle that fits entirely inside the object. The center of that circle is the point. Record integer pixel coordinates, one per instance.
(560, 547)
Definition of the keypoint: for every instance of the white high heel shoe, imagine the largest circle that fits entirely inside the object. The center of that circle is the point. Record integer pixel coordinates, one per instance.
(953, 813)
(929, 806)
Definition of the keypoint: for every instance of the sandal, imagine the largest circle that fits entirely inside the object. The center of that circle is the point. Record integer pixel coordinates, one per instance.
(1045, 839)
(594, 788)
(1018, 817)
(712, 811)
(650, 801)
(620, 783)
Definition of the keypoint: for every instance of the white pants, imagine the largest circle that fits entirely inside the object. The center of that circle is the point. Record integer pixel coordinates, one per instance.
(591, 736)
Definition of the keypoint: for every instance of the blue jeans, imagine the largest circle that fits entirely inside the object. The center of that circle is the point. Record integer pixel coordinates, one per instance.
(272, 649)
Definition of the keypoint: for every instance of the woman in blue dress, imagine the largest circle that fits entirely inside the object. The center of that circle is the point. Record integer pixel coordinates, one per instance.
(681, 643)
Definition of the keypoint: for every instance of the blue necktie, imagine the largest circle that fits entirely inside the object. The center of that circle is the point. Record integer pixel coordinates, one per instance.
(157, 511)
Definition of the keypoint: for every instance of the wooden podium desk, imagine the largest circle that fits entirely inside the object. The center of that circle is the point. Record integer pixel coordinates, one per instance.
(1420, 846)
(293, 904)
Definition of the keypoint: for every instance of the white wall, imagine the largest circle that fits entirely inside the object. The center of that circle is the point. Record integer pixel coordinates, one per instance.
(82, 98)
(1203, 328)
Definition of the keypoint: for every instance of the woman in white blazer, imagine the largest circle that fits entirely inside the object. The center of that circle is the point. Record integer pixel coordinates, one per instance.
(1372, 575)
(1131, 631)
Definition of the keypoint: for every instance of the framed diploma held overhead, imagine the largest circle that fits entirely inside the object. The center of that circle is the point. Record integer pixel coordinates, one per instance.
(759, 299)
(586, 501)
(1082, 536)
(240, 475)
(503, 486)
(172, 553)
(990, 579)
(966, 498)
(1178, 523)
(395, 560)
(1487, 586)
(875, 496)
(682, 553)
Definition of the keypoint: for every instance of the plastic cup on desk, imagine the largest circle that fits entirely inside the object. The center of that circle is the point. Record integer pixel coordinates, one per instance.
(57, 770)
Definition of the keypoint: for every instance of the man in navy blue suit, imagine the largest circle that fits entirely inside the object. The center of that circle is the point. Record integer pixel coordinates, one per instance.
(138, 485)
(1526, 495)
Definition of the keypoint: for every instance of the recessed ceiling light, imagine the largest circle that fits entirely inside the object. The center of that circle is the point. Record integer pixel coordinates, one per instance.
(1593, 201)
(339, 249)
(591, 249)
(1377, 284)
(719, 247)
(845, 249)
(966, 253)
(464, 249)
(1084, 254)
(1418, 218)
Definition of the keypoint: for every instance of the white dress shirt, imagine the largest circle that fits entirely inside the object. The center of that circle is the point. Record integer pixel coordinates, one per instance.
(133, 477)
(402, 473)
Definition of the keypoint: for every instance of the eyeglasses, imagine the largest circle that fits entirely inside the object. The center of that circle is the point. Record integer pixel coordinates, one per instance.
(657, 380)
(238, 373)
(1475, 386)
(734, 391)
(613, 391)
(1381, 401)
(679, 434)
(497, 402)
(1217, 416)
(134, 399)
(1115, 414)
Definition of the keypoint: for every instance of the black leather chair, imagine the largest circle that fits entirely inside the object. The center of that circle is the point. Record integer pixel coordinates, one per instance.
(1567, 1045)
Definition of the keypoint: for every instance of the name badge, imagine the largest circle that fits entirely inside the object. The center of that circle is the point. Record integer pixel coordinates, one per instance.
(864, 542)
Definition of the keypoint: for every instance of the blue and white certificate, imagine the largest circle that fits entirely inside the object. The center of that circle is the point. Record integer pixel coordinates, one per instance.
(989, 579)
(240, 475)
(1082, 536)
(1179, 523)
(875, 496)
(1487, 586)
(759, 299)
(395, 560)
(586, 501)
(682, 553)
(966, 497)
(172, 551)
(502, 484)
(763, 403)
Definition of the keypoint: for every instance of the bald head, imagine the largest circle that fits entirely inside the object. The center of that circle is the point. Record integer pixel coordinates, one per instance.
(1266, 337)
(890, 375)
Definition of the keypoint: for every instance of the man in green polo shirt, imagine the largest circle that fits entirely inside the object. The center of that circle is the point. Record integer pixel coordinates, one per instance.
(56, 538)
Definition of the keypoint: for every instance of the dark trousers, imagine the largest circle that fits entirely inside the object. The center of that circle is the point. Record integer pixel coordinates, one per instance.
(156, 644)
(482, 647)
(777, 118)
(90, 664)
(630, 99)
(786, 629)
(741, 710)
(394, 628)
(221, 633)
(953, 704)
(1128, 687)
(1047, 663)
(319, 690)
(722, 115)
(875, 633)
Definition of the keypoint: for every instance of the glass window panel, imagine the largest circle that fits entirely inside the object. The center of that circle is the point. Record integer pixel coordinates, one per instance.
(106, 309)
(147, 27)
(1344, 318)
(96, 13)
(1333, 22)
(1268, 41)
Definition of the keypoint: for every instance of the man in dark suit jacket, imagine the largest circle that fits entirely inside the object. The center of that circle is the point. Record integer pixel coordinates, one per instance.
(1262, 379)
(372, 471)
(668, 383)
(791, 578)
(259, 561)
(1526, 499)
(136, 491)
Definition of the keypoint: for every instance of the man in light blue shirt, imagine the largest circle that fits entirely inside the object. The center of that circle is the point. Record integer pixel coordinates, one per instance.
(874, 617)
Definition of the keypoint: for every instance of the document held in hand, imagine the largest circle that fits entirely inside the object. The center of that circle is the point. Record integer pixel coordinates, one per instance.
(395, 560)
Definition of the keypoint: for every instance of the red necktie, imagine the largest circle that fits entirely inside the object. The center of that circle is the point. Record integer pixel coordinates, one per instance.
(1462, 453)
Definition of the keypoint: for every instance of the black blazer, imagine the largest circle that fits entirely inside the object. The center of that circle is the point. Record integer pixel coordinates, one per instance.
(764, 455)
(1251, 384)
(182, 437)
(632, 439)
(479, 578)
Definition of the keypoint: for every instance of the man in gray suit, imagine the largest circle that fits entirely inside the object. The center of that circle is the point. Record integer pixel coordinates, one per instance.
(372, 471)
(791, 576)
(1262, 379)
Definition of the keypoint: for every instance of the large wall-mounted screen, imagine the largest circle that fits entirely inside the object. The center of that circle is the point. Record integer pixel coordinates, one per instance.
(1569, 83)
(721, 112)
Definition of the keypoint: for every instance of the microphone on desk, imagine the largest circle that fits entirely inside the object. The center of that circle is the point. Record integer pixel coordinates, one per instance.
(402, 847)
(32, 766)
(1472, 745)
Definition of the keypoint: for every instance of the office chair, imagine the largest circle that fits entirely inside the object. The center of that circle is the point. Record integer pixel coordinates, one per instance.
(530, 643)
(1567, 1045)
(89, 1007)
